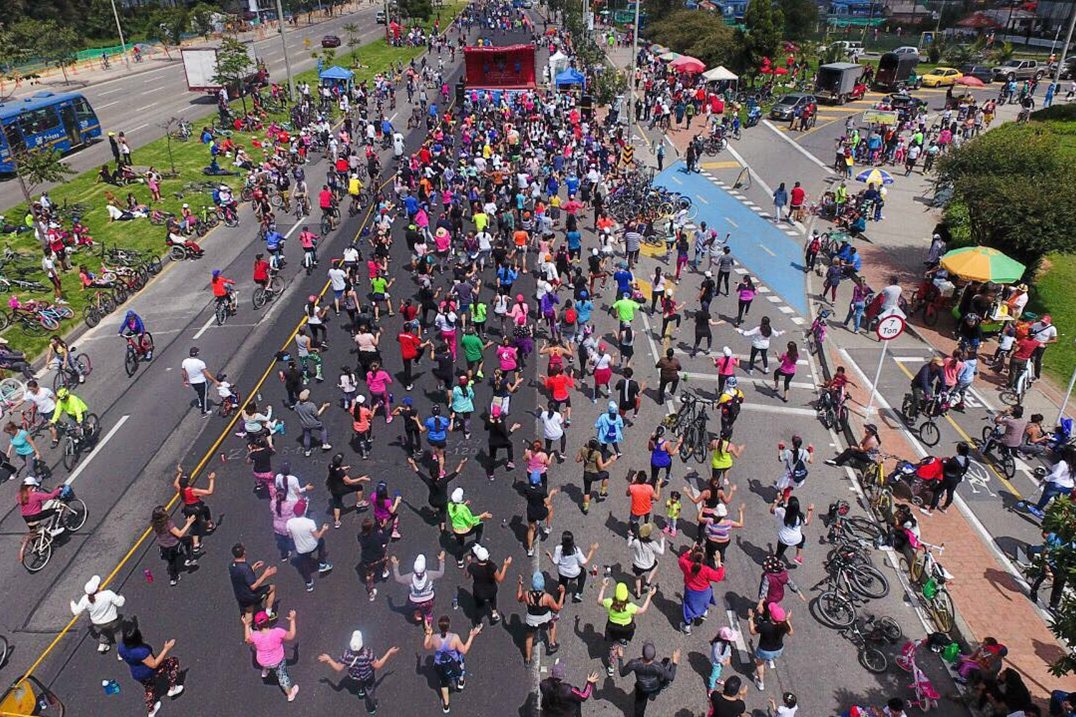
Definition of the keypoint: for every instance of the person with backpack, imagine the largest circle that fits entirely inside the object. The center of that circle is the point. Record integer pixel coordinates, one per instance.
(953, 471)
(794, 460)
(814, 245)
(729, 403)
(651, 676)
(775, 578)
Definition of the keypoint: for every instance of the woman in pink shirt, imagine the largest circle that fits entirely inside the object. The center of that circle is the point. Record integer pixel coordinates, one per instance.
(520, 308)
(507, 356)
(787, 369)
(268, 645)
(726, 365)
(746, 292)
(378, 380)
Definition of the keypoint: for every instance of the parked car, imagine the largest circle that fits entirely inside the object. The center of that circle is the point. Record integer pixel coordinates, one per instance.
(941, 76)
(980, 72)
(380, 17)
(1019, 70)
(907, 50)
(786, 106)
(330, 41)
(849, 48)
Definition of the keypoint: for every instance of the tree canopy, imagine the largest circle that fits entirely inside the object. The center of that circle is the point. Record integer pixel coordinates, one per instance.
(700, 34)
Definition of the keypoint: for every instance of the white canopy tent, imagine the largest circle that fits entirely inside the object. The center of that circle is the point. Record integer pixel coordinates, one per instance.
(717, 74)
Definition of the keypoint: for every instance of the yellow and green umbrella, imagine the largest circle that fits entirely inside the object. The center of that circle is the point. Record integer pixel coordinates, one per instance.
(669, 56)
(877, 177)
(980, 263)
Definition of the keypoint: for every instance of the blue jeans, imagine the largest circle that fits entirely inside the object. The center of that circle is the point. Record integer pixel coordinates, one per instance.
(1050, 491)
(855, 311)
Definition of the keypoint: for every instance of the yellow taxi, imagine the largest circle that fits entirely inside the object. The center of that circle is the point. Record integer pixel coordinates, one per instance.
(941, 76)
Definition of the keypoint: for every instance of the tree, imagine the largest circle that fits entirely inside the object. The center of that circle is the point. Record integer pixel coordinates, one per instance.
(421, 9)
(699, 34)
(202, 19)
(169, 24)
(33, 169)
(800, 18)
(1061, 521)
(764, 24)
(58, 46)
(1002, 53)
(352, 38)
(233, 67)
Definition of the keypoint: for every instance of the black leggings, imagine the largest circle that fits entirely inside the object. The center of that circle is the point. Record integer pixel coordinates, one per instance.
(655, 470)
(316, 330)
(461, 539)
(563, 443)
(756, 352)
(698, 339)
(781, 547)
(745, 306)
(580, 582)
(786, 376)
(493, 450)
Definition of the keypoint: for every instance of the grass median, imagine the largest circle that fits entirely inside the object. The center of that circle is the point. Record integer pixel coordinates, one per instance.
(189, 158)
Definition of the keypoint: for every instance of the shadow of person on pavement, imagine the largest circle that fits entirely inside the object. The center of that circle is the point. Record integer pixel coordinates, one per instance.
(673, 610)
(768, 493)
(597, 648)
(616, 525)
(754, 552)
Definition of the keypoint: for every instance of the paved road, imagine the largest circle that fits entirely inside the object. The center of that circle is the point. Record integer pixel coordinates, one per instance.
(198, 612)
(139, 103)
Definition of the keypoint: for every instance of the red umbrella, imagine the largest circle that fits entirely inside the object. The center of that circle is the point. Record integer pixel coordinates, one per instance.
(686, 63)
(766, 70)
(780, 71)
(970, 81)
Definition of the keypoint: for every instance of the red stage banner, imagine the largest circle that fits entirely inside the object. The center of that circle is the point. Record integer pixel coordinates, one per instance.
(504, 68)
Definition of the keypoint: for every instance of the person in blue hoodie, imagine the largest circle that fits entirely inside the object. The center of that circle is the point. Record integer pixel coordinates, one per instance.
(610, 430)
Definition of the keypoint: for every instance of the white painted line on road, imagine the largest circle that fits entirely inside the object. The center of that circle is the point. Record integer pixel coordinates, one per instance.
(650, 338)
(763, 289)
(150, 92)
(744, 658)
(740, 270)
(774, 299)
(205, 327)
(783, 410)
(909, 359)
(701, 199)
(755, 175)
(135, 129)
(799, 149)
(797, 320)
(96, 449)
(750, 380)
(143, 109)
(101, 107)
(676, 180)
(786, 309)
(766, 249)
(732, 222)
(112, 92)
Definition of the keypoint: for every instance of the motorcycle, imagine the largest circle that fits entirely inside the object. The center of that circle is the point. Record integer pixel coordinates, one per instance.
(754, 116)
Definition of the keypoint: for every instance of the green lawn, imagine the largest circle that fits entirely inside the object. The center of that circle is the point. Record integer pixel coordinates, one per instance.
(189, 157)
(1052, 294)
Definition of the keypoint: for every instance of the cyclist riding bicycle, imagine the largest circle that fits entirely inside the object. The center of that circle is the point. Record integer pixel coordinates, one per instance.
(36, 505)
(134, 326)
(274, 244)
(354, 188)
(308, 240)
(69, 405)
(222, 289)
(261, 270)
(923, 385)
(223, 198)
(327, 203)
(59, 355)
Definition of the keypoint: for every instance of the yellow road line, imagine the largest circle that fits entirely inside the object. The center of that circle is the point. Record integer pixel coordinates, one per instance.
(731, 164)
(970, 441)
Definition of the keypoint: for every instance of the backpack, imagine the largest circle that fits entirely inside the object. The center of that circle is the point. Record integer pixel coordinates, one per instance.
(799, 470)
(730, 410)
(816, 244)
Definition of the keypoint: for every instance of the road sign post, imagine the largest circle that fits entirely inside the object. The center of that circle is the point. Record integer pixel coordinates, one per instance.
(890, 326)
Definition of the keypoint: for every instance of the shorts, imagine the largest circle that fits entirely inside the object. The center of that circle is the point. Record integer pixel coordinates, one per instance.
(639, 572)
(566, 401)
(262, 592)
(438, 443)
(338, 294)
(378, 297)
(536, 515)
(619, 632)
(768, 654)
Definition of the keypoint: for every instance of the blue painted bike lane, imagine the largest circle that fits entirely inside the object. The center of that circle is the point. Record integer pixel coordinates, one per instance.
(772, 256)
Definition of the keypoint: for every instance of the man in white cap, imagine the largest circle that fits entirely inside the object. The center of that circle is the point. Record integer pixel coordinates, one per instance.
(361, 667)
(103, 607)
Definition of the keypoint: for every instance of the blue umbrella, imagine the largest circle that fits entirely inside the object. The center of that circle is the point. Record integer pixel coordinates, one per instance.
(875, 176)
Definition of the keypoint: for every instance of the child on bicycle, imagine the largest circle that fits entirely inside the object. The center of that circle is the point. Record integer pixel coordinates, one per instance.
(228, 398)
(58, 357)
(222, 288)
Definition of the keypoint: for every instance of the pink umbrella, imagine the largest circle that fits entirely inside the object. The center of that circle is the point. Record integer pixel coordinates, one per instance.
(780, 71)
(686, 63)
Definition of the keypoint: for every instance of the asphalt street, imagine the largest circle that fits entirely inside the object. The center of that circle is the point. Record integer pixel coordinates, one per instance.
(132, 472)
(141, 102)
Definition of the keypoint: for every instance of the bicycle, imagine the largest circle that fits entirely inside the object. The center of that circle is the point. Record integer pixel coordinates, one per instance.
(226, 306)
(31, 320)
(926, 697)
(844, 528)
(329, 218)
(816, 335)
(136, 351)
(70, 516)
(7, 284)
(1014, 393)
(273, 288)
(932, 407)
(77, 437)
(73, 373)
(696, 438)
(866, 633)
(848, 583)
(102, 302)
(686, 414)
(925, 569)
(832, 411)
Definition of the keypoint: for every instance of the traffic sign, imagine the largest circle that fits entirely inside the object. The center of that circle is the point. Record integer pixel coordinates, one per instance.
(890, 327)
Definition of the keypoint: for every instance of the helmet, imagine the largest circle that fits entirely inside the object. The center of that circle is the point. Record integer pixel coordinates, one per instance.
(63, 393)
(216, 273)
(731, 382)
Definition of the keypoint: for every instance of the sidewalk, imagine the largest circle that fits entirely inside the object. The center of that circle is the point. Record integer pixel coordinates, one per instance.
(989, 599)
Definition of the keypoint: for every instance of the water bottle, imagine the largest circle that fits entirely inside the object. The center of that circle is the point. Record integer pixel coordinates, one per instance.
(111, 687)
(149, 575)
(258, 397)
(504, 522)
(685, 377)
(456, 600)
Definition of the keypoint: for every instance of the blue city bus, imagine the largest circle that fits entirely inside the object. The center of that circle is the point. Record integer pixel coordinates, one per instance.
(62, 121)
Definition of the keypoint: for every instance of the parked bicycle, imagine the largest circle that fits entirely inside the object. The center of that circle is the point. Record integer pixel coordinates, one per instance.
(925, 569)
(869, 632)
(102, 302)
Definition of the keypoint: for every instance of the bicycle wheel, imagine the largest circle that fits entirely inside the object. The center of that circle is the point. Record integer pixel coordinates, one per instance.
(276, 286)
(221, 313)
(689, 441)
(31, 326)
(929, 433)
(326, 226)
(941, 610)
(154, 265)
(3, 651)
(91, 315)
(107, 305)
(75, 515)
(868, 581)
(915, 568)
(37, 553)
(5, 320)
(130, 361)
(176, 253)
(148, 341)
(70, 454)
(826, 416)
(883, 503)
(700, 450)
(65, 312)
(889, 628)
(1008, 465)
(120, 296)
(873, 660)
(834, 609)
(258, 298)
(49, 323)
(1009, 397)
(60, 380)
(862, 528)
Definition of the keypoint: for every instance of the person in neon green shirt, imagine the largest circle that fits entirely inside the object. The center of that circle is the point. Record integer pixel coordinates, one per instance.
(481, 221)
(71, 405)
(379, 293)
(479, 309)
(625, 308)
(464, 523)
(722, 453)
(620, 612)
(472, 350)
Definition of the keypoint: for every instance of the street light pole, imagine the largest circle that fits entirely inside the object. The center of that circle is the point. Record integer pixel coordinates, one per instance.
(1057, 81)
(284, 44)
(115, 14)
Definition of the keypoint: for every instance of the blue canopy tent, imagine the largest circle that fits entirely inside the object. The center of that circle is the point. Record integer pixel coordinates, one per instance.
(571, 76)
(337, 76)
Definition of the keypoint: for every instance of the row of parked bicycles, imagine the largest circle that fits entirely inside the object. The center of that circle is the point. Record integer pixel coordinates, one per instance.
(639, 200)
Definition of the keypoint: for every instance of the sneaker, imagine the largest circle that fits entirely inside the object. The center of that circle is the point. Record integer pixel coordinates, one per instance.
(445, 708)
(306, 453)
(685, 628)
(325, 567)
(831, 462)
(326, 447)
(552, 649)
(175, 691)
(310, 586)
(576, 597)
(285, 558)
(265, 672)
(530, 552)
(409, 387)
(770, 664)
(673, 532)
(461, 683)
(609, 670)
(385, 574)
(103, 648)
(926, 512)
(586, 509)
(760, 684)
(388, 419)
(459, 564)
(373, 594)
(666, 530)
(173, 582)
(799, 560)
(156, 708)
(511, 466)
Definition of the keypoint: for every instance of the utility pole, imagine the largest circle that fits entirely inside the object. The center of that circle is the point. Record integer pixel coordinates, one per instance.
(388, 37)
(115, 14)
(284, 44)
(631, 77)
(1064, 54)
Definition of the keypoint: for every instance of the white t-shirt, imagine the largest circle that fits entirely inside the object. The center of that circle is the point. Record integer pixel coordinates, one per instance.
(552, 425)
(569, 565)
(195, 369)
(790, 536)
(338, 278)
(102, 610)
(302, 529)
(44, 400)
(291, 484)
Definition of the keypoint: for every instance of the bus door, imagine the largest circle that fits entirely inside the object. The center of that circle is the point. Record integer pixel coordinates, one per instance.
(70, 123)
